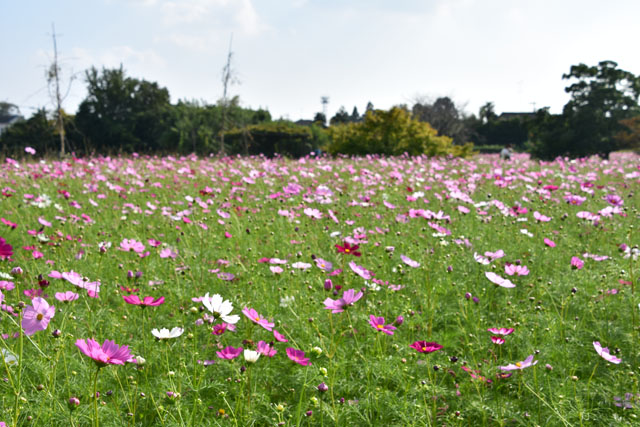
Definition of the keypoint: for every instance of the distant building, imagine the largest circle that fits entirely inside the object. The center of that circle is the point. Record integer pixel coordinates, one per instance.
(303, 122)
(7, 121)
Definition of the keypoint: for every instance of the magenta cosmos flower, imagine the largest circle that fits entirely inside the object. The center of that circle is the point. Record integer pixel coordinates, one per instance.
(338, 306)
(146, 301)
(519, 365)
(266, 349)
(6, 250)
(425, 347)
(347, 249)
(109, 353)
(604, 353)
(298, 356)
(501, 331)
(36, 317)
(256, 318)
(378, 324)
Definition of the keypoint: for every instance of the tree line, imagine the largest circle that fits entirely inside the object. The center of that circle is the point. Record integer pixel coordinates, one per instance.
(122, 114)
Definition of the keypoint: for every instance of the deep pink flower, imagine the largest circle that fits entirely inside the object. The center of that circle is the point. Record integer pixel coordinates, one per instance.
(347, 249)
(425, 347)
(66, 296)
(298, 356)
(549, 243)
(266, 349)
(36, 317)
(229, 352)
(378, 324)
(338, 306)
(146, 301)
(109, 353)
(6, 250)
(256, 318)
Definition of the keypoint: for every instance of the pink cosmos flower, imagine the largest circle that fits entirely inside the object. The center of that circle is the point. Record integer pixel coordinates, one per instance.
(361, 271)
(109, 353)
(266, 349)
(576, 263)
(497, 340)
(481, 259)
(520, 270)
(256, 318)
(323, 264)
(549, 243)
(6, 285)
(539, 217)
(501, 331)
(131, 245)
(36, 317)
(519, 365)
(604, 353)
(339, 305)
(494, 278)
(29, 150)
(275, 269)
(494, 255)
(66, 296)
(167, 253)
(146, 301)
(425, 347)
(409, 261)
(279, 337)
(313, 213)
(298, 356)
(229, 352)
(378, 324)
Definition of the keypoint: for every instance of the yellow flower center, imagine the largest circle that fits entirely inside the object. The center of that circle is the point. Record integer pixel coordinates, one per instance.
(519, 365)
(40, 316)
(257, 319)
(379, 326)
(424, 348)
(347, 250)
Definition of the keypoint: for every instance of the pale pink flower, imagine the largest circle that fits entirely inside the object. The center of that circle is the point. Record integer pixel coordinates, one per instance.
(576, 263)
(360, 271)
(520, 270)
(36, 317)
(604, 353)
(494, 278)
(519, 365)
(66, 296)
(409, 261)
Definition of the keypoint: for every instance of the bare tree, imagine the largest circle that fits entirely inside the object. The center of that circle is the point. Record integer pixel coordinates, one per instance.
(228, 78)
(53, 78)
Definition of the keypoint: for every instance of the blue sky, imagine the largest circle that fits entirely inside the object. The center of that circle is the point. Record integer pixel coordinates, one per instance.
(289, 53)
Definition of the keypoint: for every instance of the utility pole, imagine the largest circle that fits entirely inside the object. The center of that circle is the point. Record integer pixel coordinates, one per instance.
(226, 82)
(54, 78)
(325, 101)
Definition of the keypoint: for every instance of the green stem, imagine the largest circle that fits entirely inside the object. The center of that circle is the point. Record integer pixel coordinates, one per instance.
(95, 398)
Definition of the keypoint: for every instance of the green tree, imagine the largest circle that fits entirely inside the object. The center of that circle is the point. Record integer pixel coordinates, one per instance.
(341, 116)
(392, 132)
(36, 132)
(602, 97)
(121, 113)
(445, 117)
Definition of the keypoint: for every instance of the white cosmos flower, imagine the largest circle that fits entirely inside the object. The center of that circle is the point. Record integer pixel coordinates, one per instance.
(164, 333)
(220, 308)
(9, 358)
(251, 356)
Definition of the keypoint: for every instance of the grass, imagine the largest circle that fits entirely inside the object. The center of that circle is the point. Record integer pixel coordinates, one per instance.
(237, 215)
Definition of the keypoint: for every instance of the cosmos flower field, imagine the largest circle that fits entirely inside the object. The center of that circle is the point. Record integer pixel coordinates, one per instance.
(373, 291)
